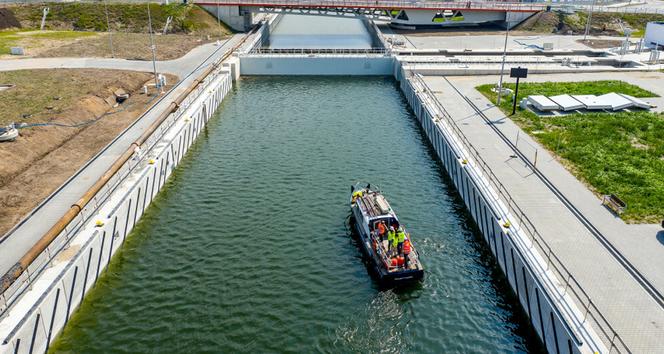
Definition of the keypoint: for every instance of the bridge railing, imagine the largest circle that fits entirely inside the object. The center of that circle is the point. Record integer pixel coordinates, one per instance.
(387, 4)
(316, 51)
(608, 334)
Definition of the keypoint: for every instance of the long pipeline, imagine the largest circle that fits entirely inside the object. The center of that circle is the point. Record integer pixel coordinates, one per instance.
(17, 269)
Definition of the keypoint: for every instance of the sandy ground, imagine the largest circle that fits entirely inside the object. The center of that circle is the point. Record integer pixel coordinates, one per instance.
(42, 158)
(129, 46)
(98, 44)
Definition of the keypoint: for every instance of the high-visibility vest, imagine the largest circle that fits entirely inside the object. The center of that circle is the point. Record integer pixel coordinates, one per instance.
(401, 236)
(391, 236)
(381, 229)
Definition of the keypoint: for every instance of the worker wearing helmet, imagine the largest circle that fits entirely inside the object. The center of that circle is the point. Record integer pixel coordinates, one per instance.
(401, 237)
(391, 239)
(407, 247)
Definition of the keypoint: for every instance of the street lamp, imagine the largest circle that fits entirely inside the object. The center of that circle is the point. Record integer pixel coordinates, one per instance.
(108, 26)
(152, 46)
(590, 17)
(502, 66)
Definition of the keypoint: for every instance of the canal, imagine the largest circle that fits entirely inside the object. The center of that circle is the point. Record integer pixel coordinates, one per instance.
(248, 248)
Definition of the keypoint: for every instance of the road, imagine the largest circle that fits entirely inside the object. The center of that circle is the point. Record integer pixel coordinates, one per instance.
(19, 240)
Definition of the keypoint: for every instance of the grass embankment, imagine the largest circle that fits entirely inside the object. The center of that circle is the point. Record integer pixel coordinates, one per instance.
(80, 30)
(615, 153)
(601, 24)
(34, 39)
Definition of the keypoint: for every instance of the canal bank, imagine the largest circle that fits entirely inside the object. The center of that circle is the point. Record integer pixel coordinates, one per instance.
(46, 285)
(248, 249)
(562, 327)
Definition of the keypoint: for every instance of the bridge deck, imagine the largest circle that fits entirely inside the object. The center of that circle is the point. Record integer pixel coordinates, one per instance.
(503, 6)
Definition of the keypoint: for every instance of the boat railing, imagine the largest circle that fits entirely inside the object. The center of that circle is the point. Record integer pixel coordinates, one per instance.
(383, 255)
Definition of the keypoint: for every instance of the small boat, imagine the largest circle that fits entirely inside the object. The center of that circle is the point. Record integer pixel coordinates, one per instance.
(369, 209)
(8, 133)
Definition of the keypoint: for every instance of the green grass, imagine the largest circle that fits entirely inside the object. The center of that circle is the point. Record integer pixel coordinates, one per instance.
(7, 40)
(615, 153)
(61, 35)
(10, 39)
(122, 17)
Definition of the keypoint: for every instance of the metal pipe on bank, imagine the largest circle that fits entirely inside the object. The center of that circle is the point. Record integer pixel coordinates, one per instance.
(24, 262)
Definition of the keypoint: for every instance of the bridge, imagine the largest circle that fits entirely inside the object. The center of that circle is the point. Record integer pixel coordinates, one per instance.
(406, 14)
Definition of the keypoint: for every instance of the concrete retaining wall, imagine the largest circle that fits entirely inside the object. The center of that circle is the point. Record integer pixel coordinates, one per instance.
(40, 314)
(316, 64)
(551, 311)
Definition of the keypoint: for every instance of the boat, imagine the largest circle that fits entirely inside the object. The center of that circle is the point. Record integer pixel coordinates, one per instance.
(8, 133)
(369, 208)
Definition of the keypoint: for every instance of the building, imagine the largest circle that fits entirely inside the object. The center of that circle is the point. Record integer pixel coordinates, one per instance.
(654, 34)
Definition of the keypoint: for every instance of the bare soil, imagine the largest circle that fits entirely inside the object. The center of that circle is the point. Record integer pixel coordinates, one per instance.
(129, 46)
(601, 43)
(8, 20)
(42, 158)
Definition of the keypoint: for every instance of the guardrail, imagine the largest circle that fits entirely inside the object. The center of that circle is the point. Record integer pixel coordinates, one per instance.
(609, 336)
(20, 277)
(617, 10)
(306, 51)
(40, 263)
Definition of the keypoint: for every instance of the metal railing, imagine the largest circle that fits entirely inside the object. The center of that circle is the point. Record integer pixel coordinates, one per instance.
(316, 51)
(12, 293)
(609, 336)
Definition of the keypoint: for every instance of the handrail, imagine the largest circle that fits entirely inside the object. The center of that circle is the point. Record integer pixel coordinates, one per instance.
(104, 186)
(614, 339)
(307, 51)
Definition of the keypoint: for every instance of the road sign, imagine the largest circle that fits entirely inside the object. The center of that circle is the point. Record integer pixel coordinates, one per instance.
(519, 72)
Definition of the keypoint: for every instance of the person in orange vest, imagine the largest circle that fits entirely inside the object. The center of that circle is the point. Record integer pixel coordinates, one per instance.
(382, 229)
(406, 251)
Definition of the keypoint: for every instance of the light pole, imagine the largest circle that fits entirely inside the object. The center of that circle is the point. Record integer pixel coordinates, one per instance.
(108, 26)
(502, 66)
(152, 46)
(590, 17)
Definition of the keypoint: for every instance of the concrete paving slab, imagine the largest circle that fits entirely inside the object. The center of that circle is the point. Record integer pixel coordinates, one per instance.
(629, 308)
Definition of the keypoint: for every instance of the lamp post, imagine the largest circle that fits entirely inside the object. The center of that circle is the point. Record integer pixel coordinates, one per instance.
(502, 65)
(152, 46)
(590, 17)
(108, 26)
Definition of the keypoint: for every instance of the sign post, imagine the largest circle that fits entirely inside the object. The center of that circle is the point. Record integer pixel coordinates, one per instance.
(517, 73)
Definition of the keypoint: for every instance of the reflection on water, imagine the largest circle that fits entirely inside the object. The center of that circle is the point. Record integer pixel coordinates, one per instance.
(299, 31)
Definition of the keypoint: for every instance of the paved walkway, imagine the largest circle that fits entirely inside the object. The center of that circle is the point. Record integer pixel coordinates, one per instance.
(180, 66)
(19, 240)
(637, 317)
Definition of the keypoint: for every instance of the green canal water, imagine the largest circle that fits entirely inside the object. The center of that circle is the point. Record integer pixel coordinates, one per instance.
(247, 249)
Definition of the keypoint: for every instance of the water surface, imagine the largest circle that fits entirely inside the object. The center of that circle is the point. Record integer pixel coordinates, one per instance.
(301, 31)
(247, 249)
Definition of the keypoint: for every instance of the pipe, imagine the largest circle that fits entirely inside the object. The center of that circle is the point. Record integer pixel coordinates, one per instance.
(17, 269)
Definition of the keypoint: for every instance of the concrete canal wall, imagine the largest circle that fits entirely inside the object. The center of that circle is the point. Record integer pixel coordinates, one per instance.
(552, 312)
(316, 64)
(38, 312)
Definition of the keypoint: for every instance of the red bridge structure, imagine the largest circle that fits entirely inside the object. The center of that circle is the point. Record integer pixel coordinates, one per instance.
(405, 14)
